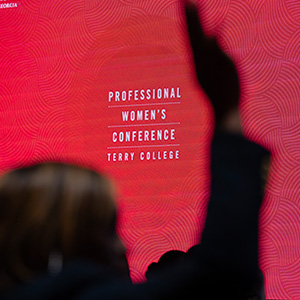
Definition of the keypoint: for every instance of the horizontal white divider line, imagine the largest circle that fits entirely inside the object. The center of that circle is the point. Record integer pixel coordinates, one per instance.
(145, 146)
(134, 105)
(138, 125)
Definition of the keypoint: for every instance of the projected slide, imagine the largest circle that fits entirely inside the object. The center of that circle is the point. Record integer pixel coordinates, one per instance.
(109, 84)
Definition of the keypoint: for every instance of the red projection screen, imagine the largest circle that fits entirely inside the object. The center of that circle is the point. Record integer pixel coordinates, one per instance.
(109, 84)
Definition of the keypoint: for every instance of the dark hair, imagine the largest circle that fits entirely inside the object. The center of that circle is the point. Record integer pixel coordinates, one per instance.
(52, 207)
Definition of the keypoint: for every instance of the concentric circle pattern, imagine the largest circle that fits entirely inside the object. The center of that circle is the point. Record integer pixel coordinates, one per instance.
(60, 59)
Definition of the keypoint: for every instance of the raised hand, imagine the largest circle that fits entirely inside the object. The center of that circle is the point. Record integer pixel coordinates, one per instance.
(216, 72)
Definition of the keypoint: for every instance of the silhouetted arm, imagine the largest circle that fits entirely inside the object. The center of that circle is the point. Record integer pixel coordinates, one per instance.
(229, 242)
(215, 70)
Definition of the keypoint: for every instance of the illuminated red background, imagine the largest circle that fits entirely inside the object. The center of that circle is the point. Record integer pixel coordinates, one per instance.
(60, 59)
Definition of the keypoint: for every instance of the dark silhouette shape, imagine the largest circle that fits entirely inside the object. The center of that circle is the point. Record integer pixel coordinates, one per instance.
(51, 214)
(166, 261)
(215, 70)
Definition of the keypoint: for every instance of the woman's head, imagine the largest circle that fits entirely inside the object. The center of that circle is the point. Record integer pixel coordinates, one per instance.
(60, 208)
